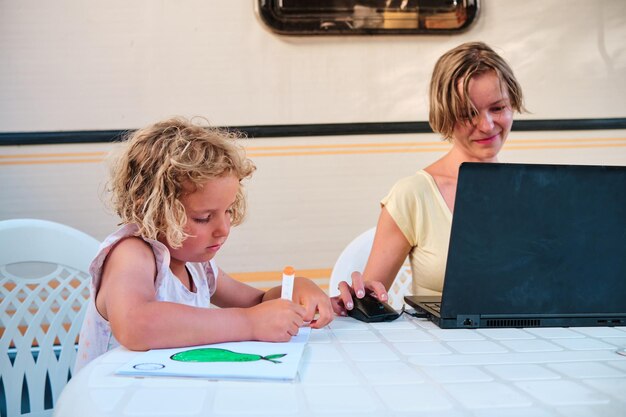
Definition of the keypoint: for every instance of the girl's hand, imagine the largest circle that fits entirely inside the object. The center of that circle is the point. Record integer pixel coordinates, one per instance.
(314, 300)
(343, 302)
(276, 320)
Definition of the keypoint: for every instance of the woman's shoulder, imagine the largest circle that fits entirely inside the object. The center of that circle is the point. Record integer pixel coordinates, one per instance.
(420, 180)
(411, 190)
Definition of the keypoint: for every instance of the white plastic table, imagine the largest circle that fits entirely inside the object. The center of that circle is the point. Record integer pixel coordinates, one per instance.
(408, 367)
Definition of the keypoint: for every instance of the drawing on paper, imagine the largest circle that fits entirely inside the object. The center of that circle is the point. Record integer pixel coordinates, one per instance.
(222, 355)
(223, 361)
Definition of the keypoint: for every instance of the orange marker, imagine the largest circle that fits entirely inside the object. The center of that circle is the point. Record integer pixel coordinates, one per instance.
(287, 287)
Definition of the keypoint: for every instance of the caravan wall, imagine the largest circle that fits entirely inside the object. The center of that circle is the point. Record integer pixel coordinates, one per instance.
(72, 72)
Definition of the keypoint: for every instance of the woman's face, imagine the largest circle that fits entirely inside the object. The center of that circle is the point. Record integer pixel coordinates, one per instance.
(482, 137)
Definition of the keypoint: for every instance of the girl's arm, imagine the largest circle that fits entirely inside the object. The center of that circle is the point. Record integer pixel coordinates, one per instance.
(312, 297)
(126, 298)
(389, 251)
(231, 292)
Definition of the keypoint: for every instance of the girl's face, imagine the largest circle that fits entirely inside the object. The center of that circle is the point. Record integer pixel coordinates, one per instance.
(481, 138)
(208, 219)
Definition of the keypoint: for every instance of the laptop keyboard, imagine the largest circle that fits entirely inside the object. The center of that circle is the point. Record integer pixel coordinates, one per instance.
(411, 366)
(434, 306)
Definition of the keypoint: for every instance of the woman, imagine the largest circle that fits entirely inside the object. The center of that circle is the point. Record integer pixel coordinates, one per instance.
(473, 94)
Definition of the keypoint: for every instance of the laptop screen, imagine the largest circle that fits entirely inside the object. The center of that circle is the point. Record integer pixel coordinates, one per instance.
(537, 239)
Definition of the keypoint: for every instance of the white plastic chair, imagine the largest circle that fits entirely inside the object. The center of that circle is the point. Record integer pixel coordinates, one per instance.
(44, 284)
(354, 257)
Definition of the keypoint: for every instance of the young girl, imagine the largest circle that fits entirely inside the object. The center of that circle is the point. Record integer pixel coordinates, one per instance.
(177, 188)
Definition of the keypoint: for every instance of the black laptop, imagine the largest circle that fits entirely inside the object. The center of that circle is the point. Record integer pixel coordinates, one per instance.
(534, 246)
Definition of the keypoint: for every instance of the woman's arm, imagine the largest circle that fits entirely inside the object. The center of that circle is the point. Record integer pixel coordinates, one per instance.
(389, 252)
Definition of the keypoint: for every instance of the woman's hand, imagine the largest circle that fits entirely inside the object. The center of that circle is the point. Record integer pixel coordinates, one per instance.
(343, 302)
(389, 251)
(314, 300)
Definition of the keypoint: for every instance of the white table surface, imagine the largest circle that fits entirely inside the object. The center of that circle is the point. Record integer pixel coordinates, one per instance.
(408, 367)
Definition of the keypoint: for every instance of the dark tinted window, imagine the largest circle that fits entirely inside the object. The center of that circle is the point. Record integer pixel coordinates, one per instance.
(367, 17)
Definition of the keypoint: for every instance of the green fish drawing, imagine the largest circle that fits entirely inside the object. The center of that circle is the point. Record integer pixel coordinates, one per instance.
(222, 355)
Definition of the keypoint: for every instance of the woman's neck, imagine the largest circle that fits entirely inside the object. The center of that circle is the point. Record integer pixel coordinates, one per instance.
(451, 162)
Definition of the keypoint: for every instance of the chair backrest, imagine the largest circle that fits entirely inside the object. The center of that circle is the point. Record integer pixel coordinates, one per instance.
(354, 257)
(44, 285)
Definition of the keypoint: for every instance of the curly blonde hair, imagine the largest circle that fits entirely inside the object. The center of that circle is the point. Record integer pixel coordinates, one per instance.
(159, 163)
(461, 64)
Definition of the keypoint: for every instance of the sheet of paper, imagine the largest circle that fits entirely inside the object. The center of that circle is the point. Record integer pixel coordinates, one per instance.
(234, 360)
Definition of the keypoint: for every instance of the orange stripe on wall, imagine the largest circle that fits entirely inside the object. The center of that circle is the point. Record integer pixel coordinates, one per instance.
(565, 140)
(52, 161)
(277, 275)
(599, 145)
(339, 145)
(266, 285)
(349, 152)
(55, 155)
(332, 149)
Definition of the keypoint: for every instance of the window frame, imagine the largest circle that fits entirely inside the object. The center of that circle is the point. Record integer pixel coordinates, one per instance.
(314, 24)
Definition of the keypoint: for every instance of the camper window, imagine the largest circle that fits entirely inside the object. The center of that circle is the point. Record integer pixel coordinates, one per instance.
(367, 17)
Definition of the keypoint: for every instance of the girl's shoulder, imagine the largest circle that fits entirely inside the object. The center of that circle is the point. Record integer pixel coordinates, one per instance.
(133, 246)
(125, 243)
(126, 231)
(127, 239)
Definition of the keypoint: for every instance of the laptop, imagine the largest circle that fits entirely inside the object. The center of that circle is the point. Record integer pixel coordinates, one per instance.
(534, 246)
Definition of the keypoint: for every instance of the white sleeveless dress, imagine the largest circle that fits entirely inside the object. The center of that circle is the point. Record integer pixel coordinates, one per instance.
(95, 335)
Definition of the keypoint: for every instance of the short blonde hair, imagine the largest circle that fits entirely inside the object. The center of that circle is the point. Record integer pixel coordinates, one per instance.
(461, 64)
(160, 163)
